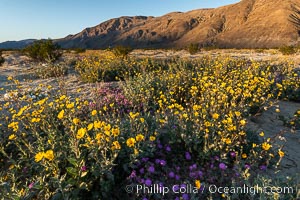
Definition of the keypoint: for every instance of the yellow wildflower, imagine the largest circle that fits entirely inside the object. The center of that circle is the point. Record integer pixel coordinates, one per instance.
(130, 142)
(280, 153)
(215, 116)
(90, 126)
(49, 155)
(94, 112)
(243, 122)
(139, 137)
(62, 97)
(97, 124)
(197, 184)
(115, 132)
(266, 146)
(39, 156)
(262, 134)
(80, 133)
(70, 105)
(76, 121)
(61, 114)
(12, 137)
(116, 145)
(152, 138)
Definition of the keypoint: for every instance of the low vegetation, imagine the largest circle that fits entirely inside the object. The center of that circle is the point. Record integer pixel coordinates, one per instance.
(288, 50)
(193, 48)
(43, 51)
(175, 123)
(1, 59)
(121, 51)
(51, 70)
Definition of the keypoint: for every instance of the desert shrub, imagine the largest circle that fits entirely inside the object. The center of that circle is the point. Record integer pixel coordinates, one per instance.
(52, 70)
(121, 51)
(288, 50)
(79, 50)
(210, 48)
(259, 50)
(193, 48)
(1, 59)
(43, 50)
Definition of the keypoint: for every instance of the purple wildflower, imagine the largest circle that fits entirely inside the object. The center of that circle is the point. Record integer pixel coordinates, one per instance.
(188, 156)
(194, 166)
(185, 197)
(83, 168)
(162, 162)
(151, 169)
(148, 182)
(232, 154)
(133, 174)
(171, 175)
(31, 185)
(168, 148)
(222, 166)
(175, 188)
(247, 166)
(263, 167)
(142, 170)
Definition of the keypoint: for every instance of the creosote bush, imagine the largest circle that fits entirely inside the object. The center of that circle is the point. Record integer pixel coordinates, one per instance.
(52, 70)
(288, 50)
(43, 51)
(193, 48)
(122, 51)
(1, 59)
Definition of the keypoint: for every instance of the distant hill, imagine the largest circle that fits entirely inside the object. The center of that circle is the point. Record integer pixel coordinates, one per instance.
(16, 44)
(246, 24)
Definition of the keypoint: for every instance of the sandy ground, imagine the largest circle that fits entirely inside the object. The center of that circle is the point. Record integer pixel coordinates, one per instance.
(271, 123)
(21, 68)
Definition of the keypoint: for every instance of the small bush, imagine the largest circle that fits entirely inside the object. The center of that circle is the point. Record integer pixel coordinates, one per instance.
(79, 50)
(1, 59)
(51, 71)
(193, 48)
(43, 50)
(288, 50)
(121, 51)
(210, 48)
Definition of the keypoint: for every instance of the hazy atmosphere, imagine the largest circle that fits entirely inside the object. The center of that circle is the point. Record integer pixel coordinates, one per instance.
(35, 19)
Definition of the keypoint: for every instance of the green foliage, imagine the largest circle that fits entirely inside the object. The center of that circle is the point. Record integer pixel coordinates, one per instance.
(1, 59)
(43, 50)
(121, 51)
(288, 50)
(193, 48)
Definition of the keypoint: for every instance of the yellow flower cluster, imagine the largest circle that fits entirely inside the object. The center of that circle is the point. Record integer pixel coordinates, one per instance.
(49, 155)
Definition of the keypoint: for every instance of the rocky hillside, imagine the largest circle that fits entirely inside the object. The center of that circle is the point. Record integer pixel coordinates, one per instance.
(246, 24)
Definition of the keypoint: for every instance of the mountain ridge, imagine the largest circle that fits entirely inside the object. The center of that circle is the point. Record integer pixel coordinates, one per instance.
(246, 24)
